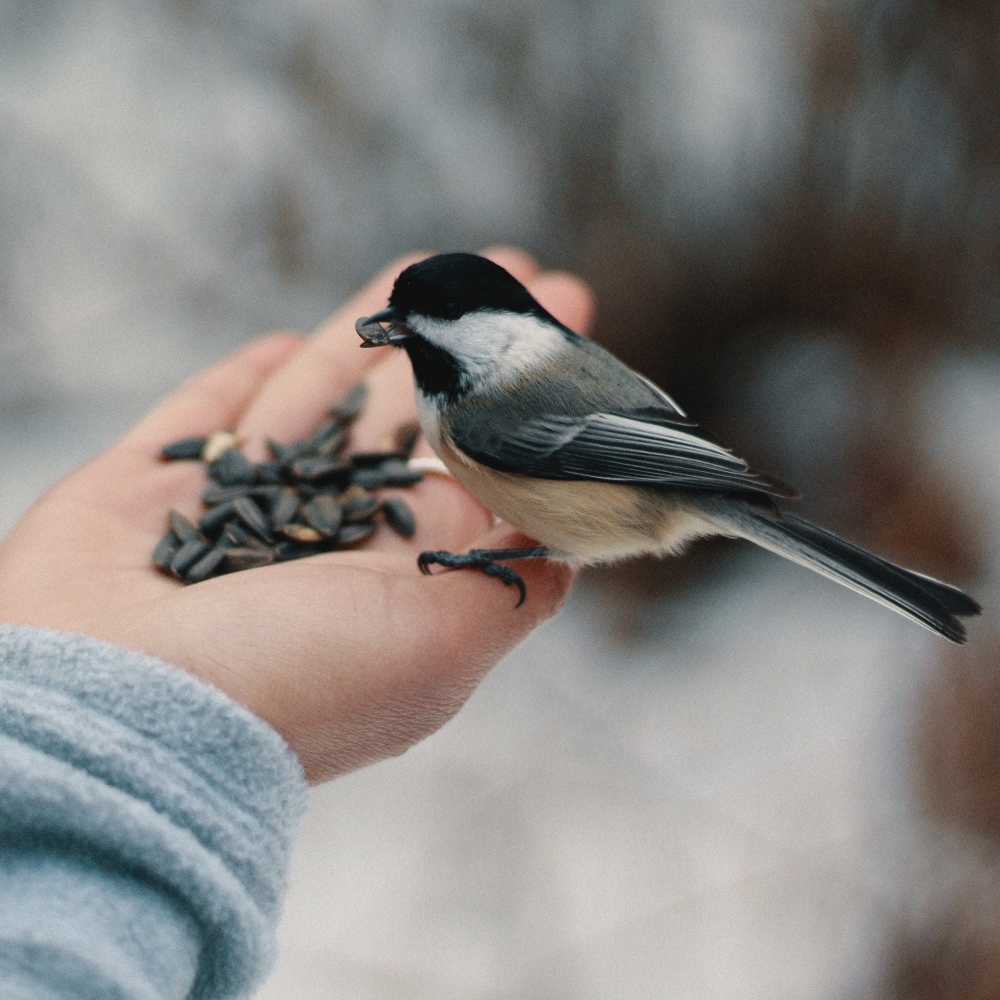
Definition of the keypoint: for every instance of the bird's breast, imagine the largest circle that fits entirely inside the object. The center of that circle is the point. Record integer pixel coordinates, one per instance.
(430, 421)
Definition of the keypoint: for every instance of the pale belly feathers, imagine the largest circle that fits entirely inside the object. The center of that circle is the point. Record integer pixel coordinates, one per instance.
(578, 521)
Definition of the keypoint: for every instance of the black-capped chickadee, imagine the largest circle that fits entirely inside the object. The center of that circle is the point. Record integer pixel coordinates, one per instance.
(569, 445)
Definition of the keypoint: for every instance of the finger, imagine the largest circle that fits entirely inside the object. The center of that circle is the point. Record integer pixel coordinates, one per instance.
(569, 298)
(297, 396)
(516, 262)
(215, 399)
(478, 618)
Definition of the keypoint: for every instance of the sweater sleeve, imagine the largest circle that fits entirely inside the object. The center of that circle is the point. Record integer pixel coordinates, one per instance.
(146, 822)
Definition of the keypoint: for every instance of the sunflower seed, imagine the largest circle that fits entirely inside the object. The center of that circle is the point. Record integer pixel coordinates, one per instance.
(352, 493)
(350, 534)
(366, 479)
(369, 459)
(267, 473)
(252, 516)
(182, 527)
(282, 452)
(318, 468)
(187, 555)
(327, 436)
(406, 437)
(391, 473)
(301, 533)
(166, 549)
(216, 444)
(397, 473)
(186, 448)
(350, 404)
(285, 509)
(324, 514)
(360, 506)
(231, 468)
(207, 565)
(269, 494)
(286, 551)
(237, 559)
(213, 493)
(213, 522)
(237, 536)
(399, 517)
(333, 445)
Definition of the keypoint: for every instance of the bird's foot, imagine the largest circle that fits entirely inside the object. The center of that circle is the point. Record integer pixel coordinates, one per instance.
(485, 560)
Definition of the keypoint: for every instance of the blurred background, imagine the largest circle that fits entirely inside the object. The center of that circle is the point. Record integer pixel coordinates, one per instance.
(718, 776)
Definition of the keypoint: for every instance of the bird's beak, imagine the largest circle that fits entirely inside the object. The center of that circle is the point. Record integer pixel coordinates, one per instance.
(373, 335)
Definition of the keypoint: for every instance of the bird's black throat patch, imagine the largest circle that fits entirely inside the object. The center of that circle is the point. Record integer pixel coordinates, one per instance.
(436, 372)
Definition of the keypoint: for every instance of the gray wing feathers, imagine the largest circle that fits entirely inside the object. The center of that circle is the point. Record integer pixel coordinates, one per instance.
(610, 448)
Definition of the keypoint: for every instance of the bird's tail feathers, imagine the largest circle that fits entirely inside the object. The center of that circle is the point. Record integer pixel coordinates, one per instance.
(927, 601)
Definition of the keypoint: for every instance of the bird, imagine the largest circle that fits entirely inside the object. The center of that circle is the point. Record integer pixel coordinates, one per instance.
(592, 460)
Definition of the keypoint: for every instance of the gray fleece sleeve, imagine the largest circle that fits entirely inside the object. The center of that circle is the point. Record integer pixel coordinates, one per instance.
(145, 826)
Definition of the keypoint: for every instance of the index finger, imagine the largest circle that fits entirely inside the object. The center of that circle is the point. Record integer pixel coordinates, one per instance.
(329, 363)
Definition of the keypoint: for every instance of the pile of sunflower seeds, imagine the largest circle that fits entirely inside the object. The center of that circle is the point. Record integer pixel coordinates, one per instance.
(310, 498)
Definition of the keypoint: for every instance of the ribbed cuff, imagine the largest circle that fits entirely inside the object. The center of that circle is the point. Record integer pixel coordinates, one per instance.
(116, 756)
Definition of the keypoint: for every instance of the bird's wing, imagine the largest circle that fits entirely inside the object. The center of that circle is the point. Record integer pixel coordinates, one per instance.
(634, 449)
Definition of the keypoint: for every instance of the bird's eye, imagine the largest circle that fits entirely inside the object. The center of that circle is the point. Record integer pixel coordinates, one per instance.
(453, 309)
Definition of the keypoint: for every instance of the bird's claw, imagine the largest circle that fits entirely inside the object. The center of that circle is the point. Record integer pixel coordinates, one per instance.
(474, 559)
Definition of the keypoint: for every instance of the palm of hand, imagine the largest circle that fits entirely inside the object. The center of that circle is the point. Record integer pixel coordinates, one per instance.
(352, 656)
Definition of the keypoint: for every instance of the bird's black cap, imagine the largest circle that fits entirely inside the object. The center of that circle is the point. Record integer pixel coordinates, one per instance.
(452, 284)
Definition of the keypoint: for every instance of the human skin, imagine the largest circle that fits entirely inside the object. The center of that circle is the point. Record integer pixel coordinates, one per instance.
(352, 656)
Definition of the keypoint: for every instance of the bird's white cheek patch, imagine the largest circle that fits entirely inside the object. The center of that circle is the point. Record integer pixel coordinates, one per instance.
(493, 346)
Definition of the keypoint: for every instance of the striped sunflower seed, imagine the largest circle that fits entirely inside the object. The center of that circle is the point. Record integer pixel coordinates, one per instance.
(166, 549)
(268, 473)
(214, 521)
(231, 468)
(185, 448)
(288, 550)
(207, 565)
(351, 534)
(406, 437)
(182, 527)
(285, 509)
(252, 517)
(324, 514)
(187, 555)
(360, 506)
(301, 533)
(315, 469)
(399, 517)
(239, 559)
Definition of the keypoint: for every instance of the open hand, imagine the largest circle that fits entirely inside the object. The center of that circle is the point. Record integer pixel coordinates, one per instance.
(352, 656)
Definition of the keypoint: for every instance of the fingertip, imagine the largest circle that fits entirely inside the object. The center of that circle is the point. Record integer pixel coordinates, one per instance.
(568, 297)
(371, 297)
(217, 397)
(514, 260)
(485, 620)
(548, 583)
(272, 348)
